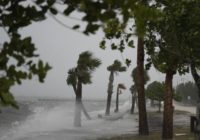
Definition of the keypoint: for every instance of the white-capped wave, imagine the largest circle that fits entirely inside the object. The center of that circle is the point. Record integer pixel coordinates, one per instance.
(46, 122)
(43, 120)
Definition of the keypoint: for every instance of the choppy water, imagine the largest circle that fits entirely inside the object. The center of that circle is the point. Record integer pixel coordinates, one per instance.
(51, 119)
(37, 119)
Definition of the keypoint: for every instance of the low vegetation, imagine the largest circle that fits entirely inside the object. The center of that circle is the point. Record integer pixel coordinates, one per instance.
(179, 134)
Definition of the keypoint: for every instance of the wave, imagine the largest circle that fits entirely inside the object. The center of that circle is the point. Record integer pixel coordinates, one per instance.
(46, 120)
(42, 120)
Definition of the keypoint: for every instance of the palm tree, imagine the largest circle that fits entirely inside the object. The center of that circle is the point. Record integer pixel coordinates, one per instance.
(134, 97)
(78, 76)
(120, 86)
(114, 68)
(134, 88)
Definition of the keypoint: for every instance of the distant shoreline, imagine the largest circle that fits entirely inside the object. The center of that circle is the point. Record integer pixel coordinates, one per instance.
(25, 98)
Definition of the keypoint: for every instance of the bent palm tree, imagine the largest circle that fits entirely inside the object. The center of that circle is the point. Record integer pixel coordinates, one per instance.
(120, 86)
(114, 68)
(78, 76)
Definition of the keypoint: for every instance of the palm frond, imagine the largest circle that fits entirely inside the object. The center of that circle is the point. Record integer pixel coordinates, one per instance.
(72, 77)
(85, 77)
(88, 62)
(122, 69)
(94, 63)
(116, 67)
(84, 58)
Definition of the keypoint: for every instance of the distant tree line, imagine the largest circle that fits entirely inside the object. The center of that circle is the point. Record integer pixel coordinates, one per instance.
(188, 92)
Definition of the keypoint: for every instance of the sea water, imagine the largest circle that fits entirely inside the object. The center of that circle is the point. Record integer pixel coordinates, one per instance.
(52, 119)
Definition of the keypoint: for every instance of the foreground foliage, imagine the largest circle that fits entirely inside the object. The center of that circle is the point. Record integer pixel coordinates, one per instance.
(17, 53)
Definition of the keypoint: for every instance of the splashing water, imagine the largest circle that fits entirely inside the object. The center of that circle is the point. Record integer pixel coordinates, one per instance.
(57, 123)
(42, 121)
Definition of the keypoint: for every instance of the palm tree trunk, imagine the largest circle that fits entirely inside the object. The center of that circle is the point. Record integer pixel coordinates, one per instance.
(110, 91)
(133, 103)
(168, 107)
(77, 115)
(109, 97)
(85, 112)
(143, 124)
(78, 104)
(117, 100)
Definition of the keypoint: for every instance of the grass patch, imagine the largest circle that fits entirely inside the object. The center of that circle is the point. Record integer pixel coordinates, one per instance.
(179, 134)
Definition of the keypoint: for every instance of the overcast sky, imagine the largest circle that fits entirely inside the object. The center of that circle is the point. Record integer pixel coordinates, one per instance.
(61, 47)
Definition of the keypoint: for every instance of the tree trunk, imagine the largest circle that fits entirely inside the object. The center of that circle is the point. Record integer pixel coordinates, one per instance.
(85, 112)
(136, 100)
(117, 100)
(77, 115)
(109, 97)
(78, 104)
(133, 102)
(110, 91)
(195, 76)
(167, 132)
(143, 124)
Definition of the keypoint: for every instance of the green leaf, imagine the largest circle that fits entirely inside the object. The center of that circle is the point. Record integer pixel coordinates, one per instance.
(39, 1)
(8, 99)
(131, 44)
(69, 10)
(102, 44)
(113, 46)
(121, 48)
(29, 76)
(4, 2)
(76, 27)
(91, 28)
(53, 11)
(128, 62)
(50, 2)
(148, 65)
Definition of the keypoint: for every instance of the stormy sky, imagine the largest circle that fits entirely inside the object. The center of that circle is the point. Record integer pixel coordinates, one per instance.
(60, 47)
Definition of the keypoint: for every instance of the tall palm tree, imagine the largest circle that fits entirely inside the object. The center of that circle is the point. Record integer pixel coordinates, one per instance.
(114, 68)
(119, 87)
(78, 76)
(134, 88)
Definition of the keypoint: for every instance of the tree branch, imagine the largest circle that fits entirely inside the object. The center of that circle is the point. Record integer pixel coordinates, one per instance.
(64, 25)
(70, 17)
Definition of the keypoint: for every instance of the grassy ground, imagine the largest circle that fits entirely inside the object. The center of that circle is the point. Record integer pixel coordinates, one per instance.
(181, 129)
(179, 134)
